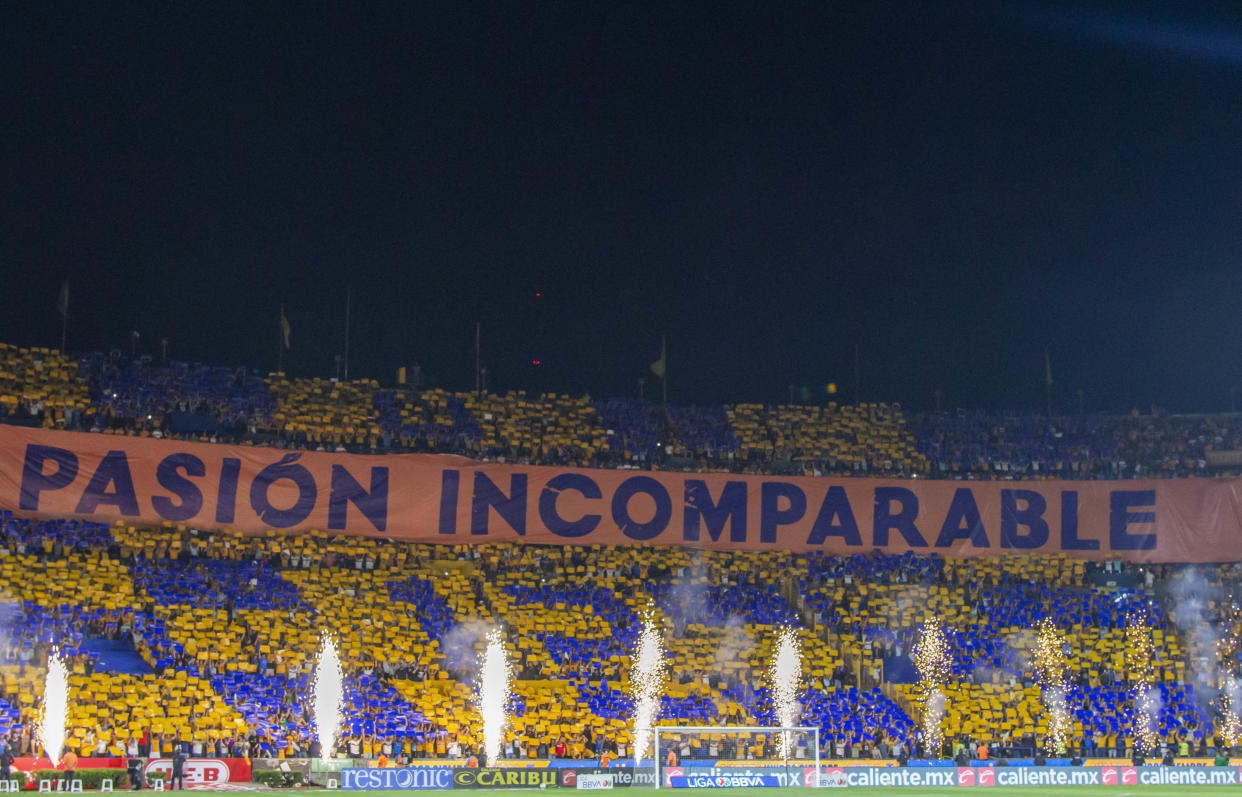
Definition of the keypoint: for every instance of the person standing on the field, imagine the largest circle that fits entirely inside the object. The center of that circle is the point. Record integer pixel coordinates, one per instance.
(70, 762)
(178, 765)
(6, 759)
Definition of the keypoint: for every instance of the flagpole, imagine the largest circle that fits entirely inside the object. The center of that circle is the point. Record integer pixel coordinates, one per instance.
(62, 304)
(1048, 380)
(857, 377)
(349, 290)
(664, 377)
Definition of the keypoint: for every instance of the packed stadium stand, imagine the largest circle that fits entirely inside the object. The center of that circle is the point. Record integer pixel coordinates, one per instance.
(176, 633)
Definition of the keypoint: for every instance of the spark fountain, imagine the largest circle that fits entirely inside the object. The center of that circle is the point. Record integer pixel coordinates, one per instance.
(493, 694)
(1050, 666)
(932, 659)
(1231, 703)
(1140, 657)
(329, 697)
(647, 674)
(1228, 649)
(55, 706)
(784, 679)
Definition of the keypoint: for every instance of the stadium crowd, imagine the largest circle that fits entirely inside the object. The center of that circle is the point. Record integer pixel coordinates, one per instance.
(225, 627)
(208, 637)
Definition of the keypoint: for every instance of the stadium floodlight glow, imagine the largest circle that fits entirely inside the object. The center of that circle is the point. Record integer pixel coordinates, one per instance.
(662, 731)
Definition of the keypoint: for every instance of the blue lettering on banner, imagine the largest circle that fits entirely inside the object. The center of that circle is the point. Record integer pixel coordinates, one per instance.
(488, 495)
(903, 521)
(181, 487)
(1069, 525)
(346, 489)
(621, 508)
(963, 522)
(1030, 515)
(552, 518)
(406, 778)
(723, 781)
(35, 481)
(113, 470)
(771, 516)
(1120, 518)
(836, 506)
(699, 505)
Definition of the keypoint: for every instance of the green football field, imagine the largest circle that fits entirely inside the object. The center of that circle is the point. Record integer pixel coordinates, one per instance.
(1009, 791)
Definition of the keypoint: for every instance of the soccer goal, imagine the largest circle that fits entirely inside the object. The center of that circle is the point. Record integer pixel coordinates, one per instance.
(741, 755)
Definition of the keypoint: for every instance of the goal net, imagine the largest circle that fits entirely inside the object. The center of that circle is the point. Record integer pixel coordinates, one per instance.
(735, 756)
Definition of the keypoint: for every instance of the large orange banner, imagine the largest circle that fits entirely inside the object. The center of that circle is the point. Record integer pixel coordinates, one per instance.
(452, 500)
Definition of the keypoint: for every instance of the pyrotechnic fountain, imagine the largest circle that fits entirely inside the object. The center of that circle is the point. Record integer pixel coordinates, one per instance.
(1228, 648)
(1140, 660)
(932, 659)
(329, 697)
(1230, 704)
(493, 694)
(1050, 667)
(55, 705)
(784, 680)
(647, 674)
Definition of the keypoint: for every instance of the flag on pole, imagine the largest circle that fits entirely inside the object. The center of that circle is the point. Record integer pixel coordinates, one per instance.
(658, 366)
(284, 327)
(62, 301)
(1047, 368)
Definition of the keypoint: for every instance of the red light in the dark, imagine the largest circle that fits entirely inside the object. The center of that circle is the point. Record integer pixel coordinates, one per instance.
(536, 362)
(538, 294)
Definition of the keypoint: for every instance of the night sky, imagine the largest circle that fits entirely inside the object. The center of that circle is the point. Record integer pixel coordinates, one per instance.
(948, 190)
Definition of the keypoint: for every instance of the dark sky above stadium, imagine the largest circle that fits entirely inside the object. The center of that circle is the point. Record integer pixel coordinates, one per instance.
(948, 189)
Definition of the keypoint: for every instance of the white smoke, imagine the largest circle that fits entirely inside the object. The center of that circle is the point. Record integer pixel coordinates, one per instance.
(1190, 595)
(463, 644)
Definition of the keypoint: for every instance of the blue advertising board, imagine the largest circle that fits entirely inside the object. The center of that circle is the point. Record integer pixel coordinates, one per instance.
(406, 778)
(722, 781)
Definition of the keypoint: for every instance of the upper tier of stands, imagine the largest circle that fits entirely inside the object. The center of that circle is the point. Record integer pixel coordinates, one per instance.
(113, 394)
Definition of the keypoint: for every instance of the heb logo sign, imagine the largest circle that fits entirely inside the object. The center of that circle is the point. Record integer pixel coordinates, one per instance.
(723, 781)
(404, 778)
(201, 771)
(1119, 776)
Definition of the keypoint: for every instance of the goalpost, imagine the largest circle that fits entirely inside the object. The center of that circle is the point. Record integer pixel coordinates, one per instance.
(789, 753)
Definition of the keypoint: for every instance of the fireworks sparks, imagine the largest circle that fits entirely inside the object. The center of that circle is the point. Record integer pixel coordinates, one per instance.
(647, 674)
(784, 679)
(328, 690)
(933, 660)
(1229, 645)
(1230, 704)
(493, 696)
(1050, 665)
(55, 706)
(1140, 661)
(1228, 650)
